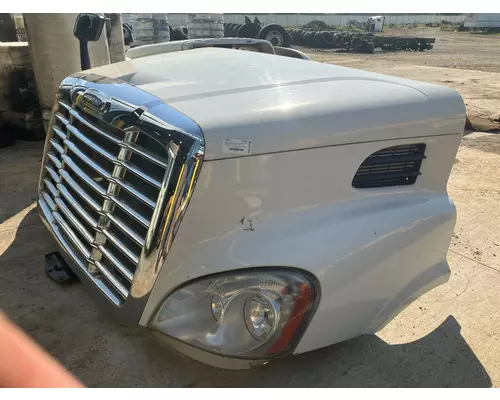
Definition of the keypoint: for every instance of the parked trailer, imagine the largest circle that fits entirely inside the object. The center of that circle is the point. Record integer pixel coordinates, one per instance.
(391, 43)
(482, 21)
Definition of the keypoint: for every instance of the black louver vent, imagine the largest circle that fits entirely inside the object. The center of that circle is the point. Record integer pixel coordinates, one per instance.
(393, 166)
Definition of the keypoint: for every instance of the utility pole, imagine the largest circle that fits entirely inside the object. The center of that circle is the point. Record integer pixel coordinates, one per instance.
(114, 29)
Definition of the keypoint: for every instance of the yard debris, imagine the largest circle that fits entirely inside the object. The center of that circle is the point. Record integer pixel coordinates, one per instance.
(482, 124)
(495, 118)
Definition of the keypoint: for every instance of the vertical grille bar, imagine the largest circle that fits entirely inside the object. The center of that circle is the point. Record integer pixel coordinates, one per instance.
(108, 205)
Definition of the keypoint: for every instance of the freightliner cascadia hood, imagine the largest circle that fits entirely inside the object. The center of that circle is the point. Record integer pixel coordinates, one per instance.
(253, 103)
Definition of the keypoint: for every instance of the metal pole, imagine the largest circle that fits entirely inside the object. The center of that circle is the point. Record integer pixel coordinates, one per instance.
(116, 42)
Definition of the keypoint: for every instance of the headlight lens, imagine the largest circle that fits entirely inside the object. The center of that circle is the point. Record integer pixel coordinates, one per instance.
(217, 307)
(254, 314)
(260, 316)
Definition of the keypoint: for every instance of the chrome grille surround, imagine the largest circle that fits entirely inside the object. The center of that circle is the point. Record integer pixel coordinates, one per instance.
(116, 220)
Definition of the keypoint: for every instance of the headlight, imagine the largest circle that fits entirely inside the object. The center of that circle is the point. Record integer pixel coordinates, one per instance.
(250, 314)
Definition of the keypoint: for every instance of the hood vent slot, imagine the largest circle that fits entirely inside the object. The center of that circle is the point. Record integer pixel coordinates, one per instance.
(392, 166)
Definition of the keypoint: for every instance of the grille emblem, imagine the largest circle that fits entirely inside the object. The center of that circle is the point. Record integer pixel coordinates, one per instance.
(94, 102)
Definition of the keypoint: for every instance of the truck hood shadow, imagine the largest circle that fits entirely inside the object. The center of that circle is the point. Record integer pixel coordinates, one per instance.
(440, 359)
(19, 172)
(68, 323)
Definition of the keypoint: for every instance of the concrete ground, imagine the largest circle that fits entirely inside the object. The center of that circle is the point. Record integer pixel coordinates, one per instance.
(447, 338)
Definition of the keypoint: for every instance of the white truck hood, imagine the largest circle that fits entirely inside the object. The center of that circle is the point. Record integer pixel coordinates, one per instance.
(280, 104)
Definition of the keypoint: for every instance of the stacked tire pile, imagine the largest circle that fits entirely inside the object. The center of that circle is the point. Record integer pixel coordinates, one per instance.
(273, 33)
(178, 33)
(359, 42)
(127, 20)
(161, 28)
(205, 26)
(142, 29)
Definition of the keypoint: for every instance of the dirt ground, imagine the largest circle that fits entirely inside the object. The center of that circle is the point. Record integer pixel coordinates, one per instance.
(470, 63)
(452, 50)
(447, 338)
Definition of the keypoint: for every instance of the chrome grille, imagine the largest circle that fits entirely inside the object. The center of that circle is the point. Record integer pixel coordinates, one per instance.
(99, 189)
